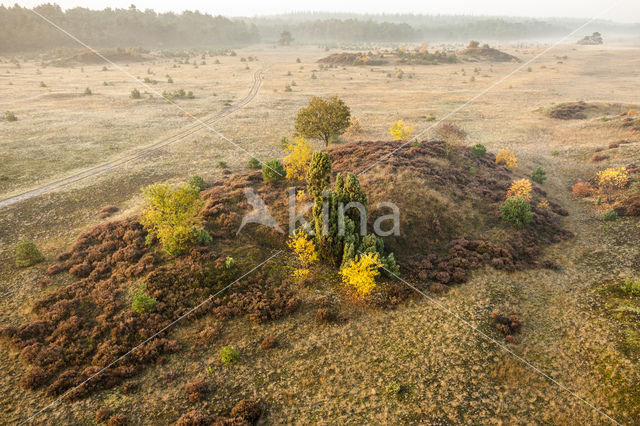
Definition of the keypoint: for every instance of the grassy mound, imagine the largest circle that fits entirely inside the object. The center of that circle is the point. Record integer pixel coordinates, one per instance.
(450, 224)
(486, 53)
(351, 59)
(87, 57)
(583, 110)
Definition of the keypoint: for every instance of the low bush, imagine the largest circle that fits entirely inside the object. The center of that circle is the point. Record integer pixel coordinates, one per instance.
(254, 163)
(507, 157)
(631, 287)
(273, 171)
(27, 254)
(229, 355)
(135, 94)
(269, 342)
(10, 116)
(141, 302)
(360, 274)
(520, 188)
(539, 175)
(610, 216)
(88, 92)
(582, 189)
(196, 390)
(197, 182)
(516, 211)
(222, 165)
(401, 131)
(479, 150)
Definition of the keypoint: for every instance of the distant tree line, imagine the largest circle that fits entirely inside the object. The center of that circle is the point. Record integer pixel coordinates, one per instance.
(22, 30)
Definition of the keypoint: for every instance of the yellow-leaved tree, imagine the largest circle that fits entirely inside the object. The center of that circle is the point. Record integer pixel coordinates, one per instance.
(401, 131)
(298, 158)
(507, 157)
(612, 179)
(305, 250)
(520, 188)
(361, 273)
(172, 214)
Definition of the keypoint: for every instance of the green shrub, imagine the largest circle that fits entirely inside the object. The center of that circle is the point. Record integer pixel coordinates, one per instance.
(254, 163)
(229, 262)
(10, 116)
(221, 165)
(88, 92)
(204, 238)
(141, 302)
(479, 150)
(197, 182)
(539, 175)
(516, 211)
(555, 153)
(610, 216)
(42, 84)
(27, 254)
(631, 287)
(229, 355)
(135, 94)
(273, 171)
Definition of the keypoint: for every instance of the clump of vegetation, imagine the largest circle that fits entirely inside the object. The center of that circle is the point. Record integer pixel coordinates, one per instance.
(229, 355)
(10, 116)
(610, 216)
(479, 150)
(507, 157)
(298, 157)
(269, 342)
(539, 175)
(88, 92)
(631, 287)
(222, 165)
(516, 211)
(178, 94)
(196, 390)
(135, 94)
(360, 274)
(323, 118)
(451, 134)
(612, 179)
(401, 131)
(305, 251)
(582, 189)
(141, 302)
(197, 182)
(507, 325)
(273, 171)
(520, 188)
(27, 254)
(355, 126)
(254, 163)
(172, 214)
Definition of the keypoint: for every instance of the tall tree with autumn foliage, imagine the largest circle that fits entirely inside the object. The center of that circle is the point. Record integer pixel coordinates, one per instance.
(323, 118)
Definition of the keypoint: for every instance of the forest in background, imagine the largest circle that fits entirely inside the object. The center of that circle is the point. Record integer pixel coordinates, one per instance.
(21, 30)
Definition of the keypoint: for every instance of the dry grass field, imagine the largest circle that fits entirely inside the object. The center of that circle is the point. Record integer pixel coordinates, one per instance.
(411, 364)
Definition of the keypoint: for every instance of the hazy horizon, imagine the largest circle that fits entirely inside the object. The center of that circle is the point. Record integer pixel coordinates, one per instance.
(624, 12)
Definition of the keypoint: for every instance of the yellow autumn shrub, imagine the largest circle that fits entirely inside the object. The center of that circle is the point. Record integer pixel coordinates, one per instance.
(361, 273)
(612, 179)
(507, 157)
(520, 188)
(296, 163)
(401, 131)
(172, 213)
(305, 251)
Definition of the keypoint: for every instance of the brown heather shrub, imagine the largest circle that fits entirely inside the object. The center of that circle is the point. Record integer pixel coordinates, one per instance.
(208, 335)
(599, 157)
(195, 418)
(131, 387)
(44, 283)
(269, 342)
(582, 189)
(118, 420)
(248, 410)
(506, 325)
(102, 415)
(107, 211)
(54, 269)
(196, 390)
(613, 145)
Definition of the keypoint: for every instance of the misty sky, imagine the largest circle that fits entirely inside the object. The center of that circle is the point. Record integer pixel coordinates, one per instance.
(627, 11)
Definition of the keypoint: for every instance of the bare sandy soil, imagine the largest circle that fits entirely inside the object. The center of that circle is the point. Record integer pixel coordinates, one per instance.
(342, 373)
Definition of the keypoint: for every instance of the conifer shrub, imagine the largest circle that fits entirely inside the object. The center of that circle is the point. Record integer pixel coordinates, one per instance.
(197, 182)
(135, 94)
(539, 175)
(517, 211)
(479, 150)
(229, 355)
(254, 163)
(27, 254)
(141, 302)
(273, 171)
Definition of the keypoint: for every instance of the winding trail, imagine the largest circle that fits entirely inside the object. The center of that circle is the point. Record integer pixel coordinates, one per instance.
(143, 152)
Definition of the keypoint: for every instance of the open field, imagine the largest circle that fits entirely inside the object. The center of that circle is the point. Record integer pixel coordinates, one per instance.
(344, 372)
